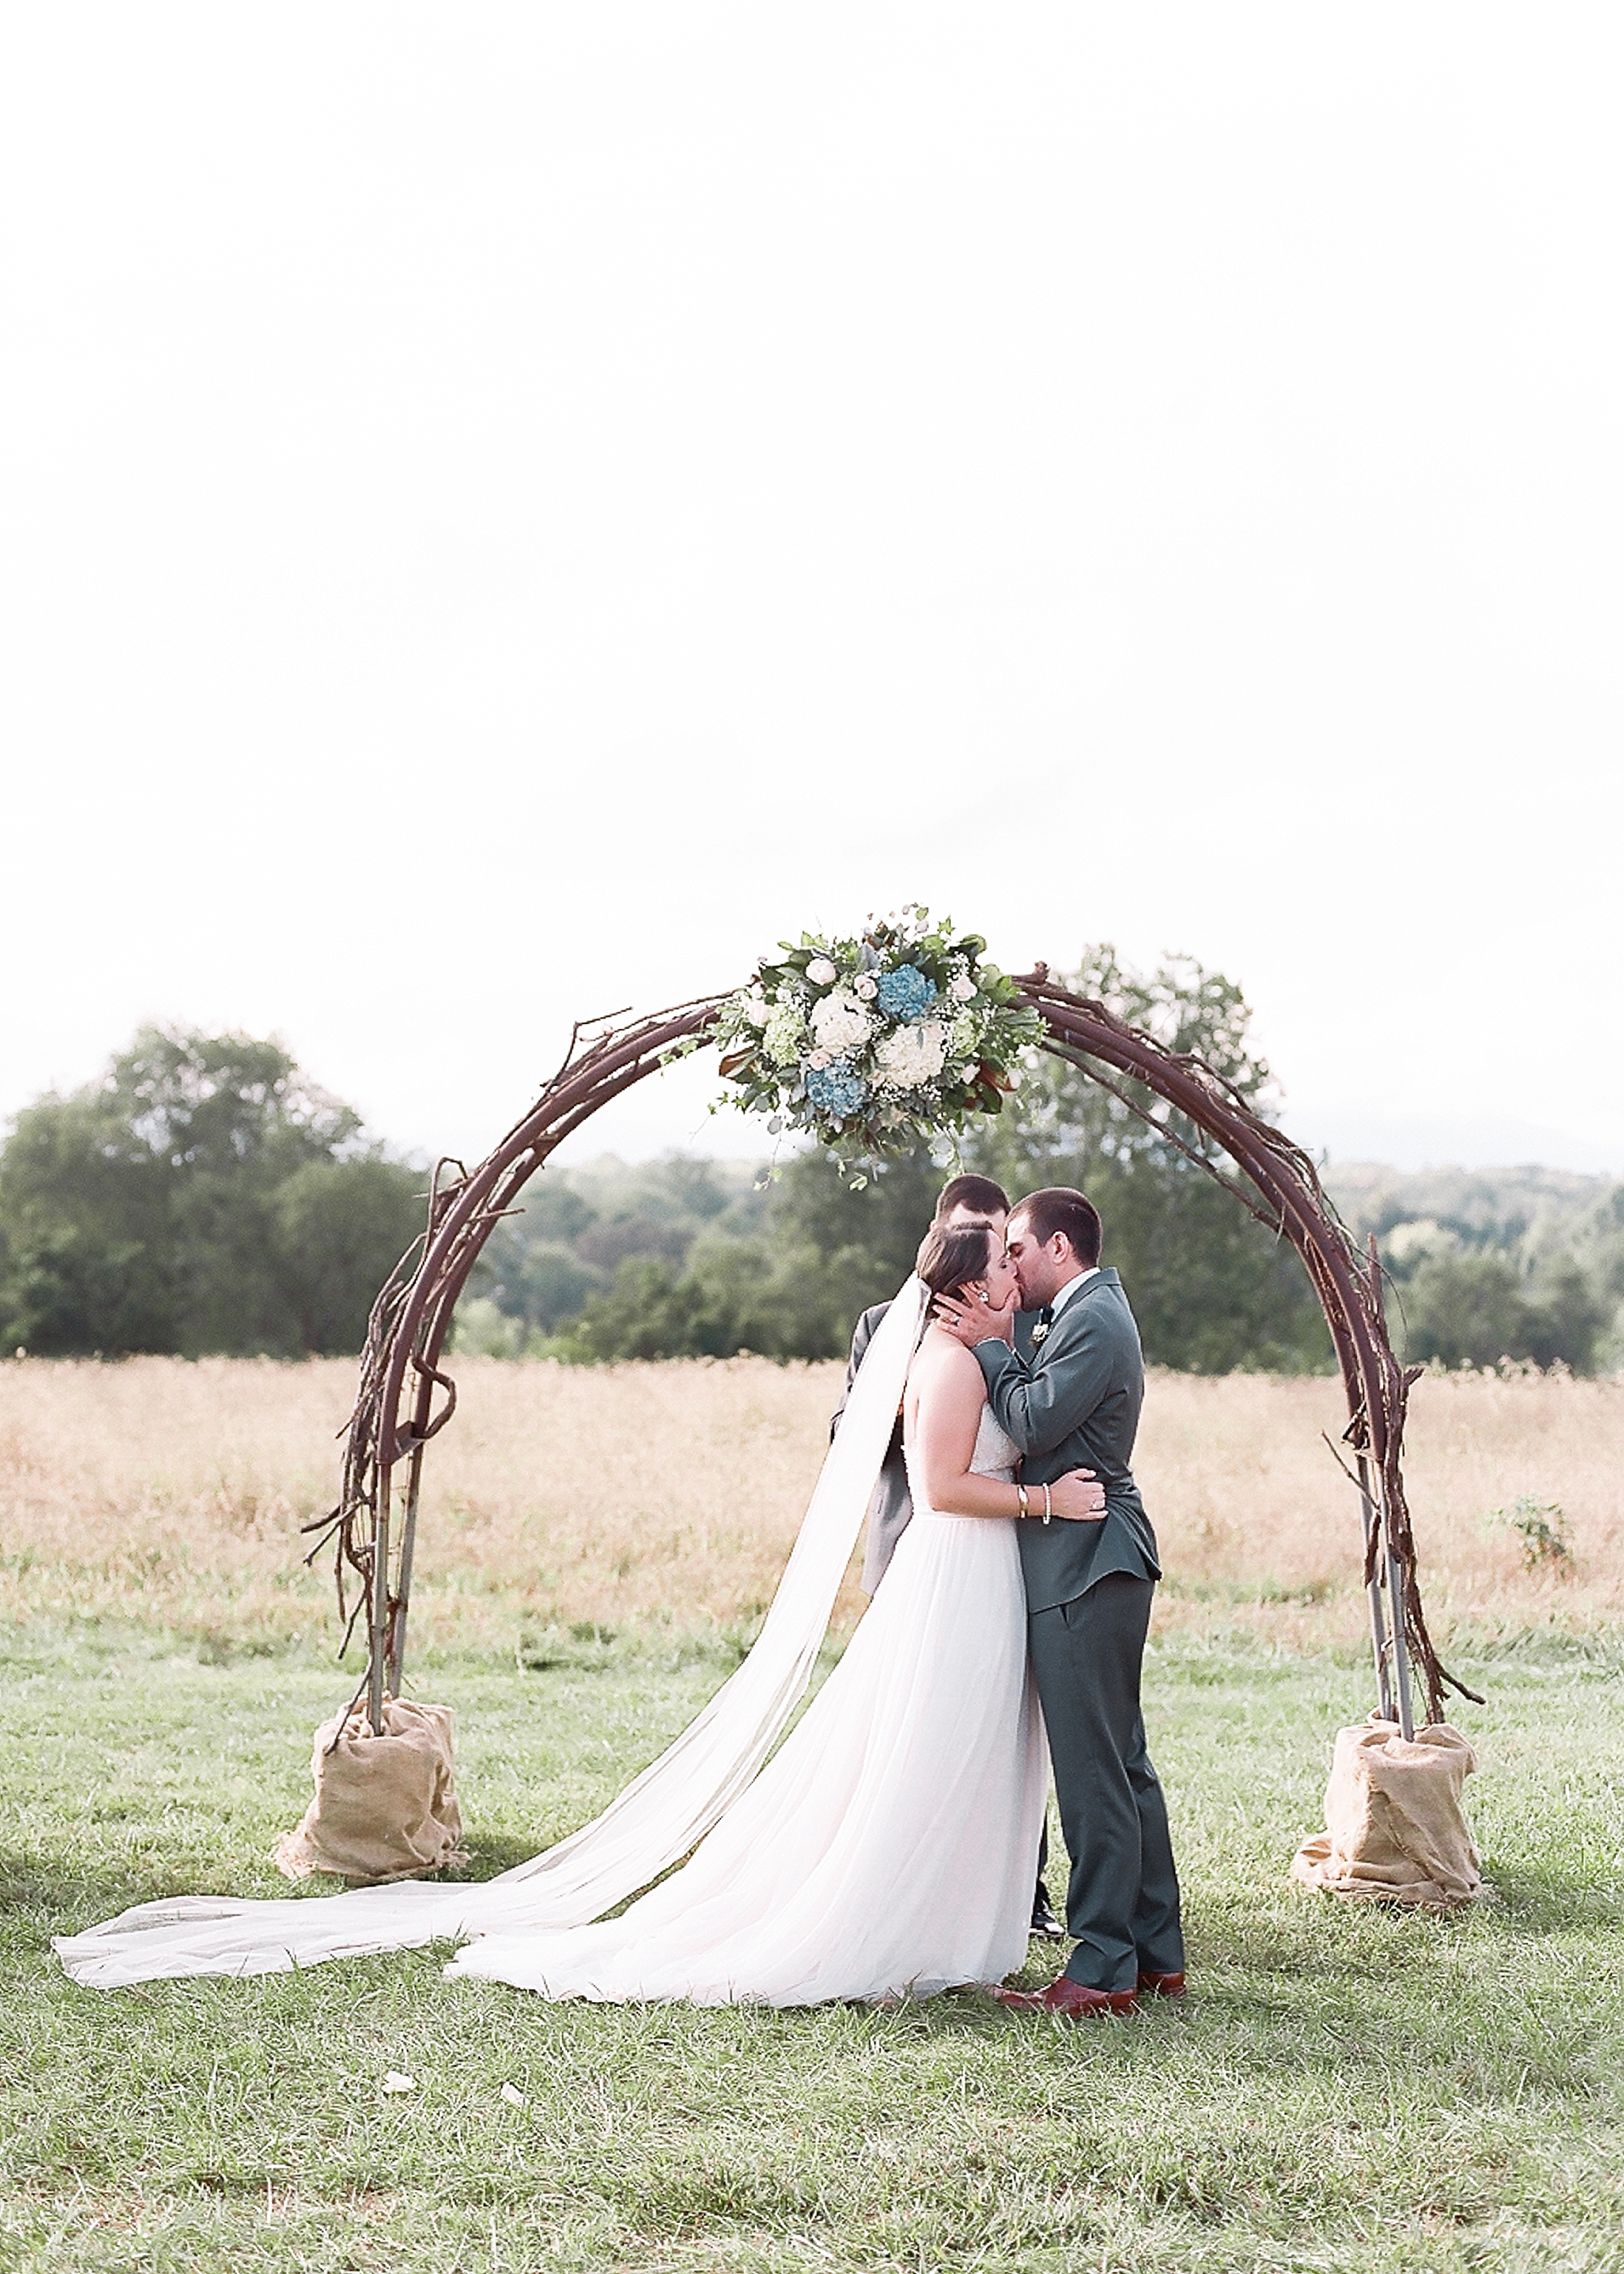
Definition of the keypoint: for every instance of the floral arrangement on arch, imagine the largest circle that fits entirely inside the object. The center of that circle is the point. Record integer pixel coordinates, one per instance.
(877, 1044)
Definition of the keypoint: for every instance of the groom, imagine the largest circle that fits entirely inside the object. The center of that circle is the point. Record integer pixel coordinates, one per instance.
(1074, 1402)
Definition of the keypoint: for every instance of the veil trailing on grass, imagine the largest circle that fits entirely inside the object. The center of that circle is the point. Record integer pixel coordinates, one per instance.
(660, 1816)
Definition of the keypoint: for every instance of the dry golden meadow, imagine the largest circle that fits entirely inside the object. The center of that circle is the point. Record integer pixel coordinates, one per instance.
(172, 1493)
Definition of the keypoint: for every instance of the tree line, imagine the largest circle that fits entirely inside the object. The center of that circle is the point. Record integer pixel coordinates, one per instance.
(1525, 1263)
(204, 1196)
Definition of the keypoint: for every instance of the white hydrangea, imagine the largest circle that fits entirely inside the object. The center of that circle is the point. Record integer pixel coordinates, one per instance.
(821, 972)
(912, 1055)
(784, 1033)
(840, 1024)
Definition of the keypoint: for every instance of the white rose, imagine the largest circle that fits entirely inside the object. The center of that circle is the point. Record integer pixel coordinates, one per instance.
(840, 1025)
(867, 986)
(756, 1011)
(819, 1060)
(912, 1055)
(821, 972)
(963, 988)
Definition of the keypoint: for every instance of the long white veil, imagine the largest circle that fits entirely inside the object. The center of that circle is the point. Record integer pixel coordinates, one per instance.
(649, 1826)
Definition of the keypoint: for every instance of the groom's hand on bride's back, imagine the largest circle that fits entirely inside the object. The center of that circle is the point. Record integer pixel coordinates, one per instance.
(975, 1321)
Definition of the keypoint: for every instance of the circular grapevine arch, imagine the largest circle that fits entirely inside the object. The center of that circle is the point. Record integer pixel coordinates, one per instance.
(405, 1397)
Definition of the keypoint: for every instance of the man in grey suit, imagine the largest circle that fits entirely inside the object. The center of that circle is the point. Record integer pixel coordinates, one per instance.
(963, 1199)
(1072, 1401)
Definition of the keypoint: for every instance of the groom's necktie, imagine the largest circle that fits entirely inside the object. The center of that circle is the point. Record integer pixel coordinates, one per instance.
(1046, 1320)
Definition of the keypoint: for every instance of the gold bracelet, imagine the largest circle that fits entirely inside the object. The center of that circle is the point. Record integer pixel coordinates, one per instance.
(1021, 1492)
(1047, 1507)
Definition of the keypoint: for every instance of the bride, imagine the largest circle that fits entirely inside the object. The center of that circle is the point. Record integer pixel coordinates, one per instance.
(887, 1848)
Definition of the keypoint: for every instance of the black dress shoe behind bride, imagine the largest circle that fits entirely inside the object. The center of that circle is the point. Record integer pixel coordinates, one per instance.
(1044, 1919)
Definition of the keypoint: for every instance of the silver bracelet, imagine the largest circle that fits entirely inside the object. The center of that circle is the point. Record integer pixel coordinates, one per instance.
(1047, 1505)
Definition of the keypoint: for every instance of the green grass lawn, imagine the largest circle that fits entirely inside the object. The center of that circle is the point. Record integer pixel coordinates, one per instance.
(1346, 2088)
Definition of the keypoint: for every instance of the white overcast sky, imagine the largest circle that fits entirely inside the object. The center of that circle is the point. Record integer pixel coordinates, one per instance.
(508, 510)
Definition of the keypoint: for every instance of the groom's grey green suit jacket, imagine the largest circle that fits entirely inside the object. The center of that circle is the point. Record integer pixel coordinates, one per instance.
(1072, 1402)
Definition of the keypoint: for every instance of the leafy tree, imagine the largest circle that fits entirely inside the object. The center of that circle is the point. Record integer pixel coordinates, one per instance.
(1600, 1252)
(1523, 1263)
(203, 1197)
(778, 1301)
(1466, 1309)
(87, 1259)
(880, 1226)
(554, 1211)
(604, 1246)
(1212, 1288)
(1505, 1209)
(690, 1187)
(541, 1283)
(339, 1229)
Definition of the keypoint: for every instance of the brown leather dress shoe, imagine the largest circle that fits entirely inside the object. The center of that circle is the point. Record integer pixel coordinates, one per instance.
(1071, 1999)
(1161, 1985)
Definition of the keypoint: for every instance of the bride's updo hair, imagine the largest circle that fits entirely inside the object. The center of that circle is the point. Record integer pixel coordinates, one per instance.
(949, 1255)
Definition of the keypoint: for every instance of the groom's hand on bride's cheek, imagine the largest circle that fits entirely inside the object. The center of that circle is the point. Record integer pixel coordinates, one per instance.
(955, 1316)
(972, 1322)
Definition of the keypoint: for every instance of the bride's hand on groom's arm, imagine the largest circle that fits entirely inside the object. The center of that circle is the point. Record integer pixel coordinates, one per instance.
(1078, 1496)
(975, 1321)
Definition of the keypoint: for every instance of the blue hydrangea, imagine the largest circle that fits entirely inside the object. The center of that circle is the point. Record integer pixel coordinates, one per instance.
(905, 993)
(835, 1090)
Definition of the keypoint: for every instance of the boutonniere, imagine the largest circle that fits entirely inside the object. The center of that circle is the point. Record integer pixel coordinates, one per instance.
(1039, 1334)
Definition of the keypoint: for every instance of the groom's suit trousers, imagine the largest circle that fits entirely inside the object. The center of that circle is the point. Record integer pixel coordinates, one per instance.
(1121, 1900)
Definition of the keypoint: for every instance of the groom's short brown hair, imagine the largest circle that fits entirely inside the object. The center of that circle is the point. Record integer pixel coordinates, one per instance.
(1059, 1209)
(978, 1193)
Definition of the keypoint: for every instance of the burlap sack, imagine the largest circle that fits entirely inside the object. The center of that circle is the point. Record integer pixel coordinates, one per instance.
(1395, 1832)
(386, 1807)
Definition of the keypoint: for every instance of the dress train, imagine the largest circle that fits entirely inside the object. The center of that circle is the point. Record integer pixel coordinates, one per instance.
(890, 1847)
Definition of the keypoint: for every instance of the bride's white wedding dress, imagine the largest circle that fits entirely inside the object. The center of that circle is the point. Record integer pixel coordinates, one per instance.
(889, 1847)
